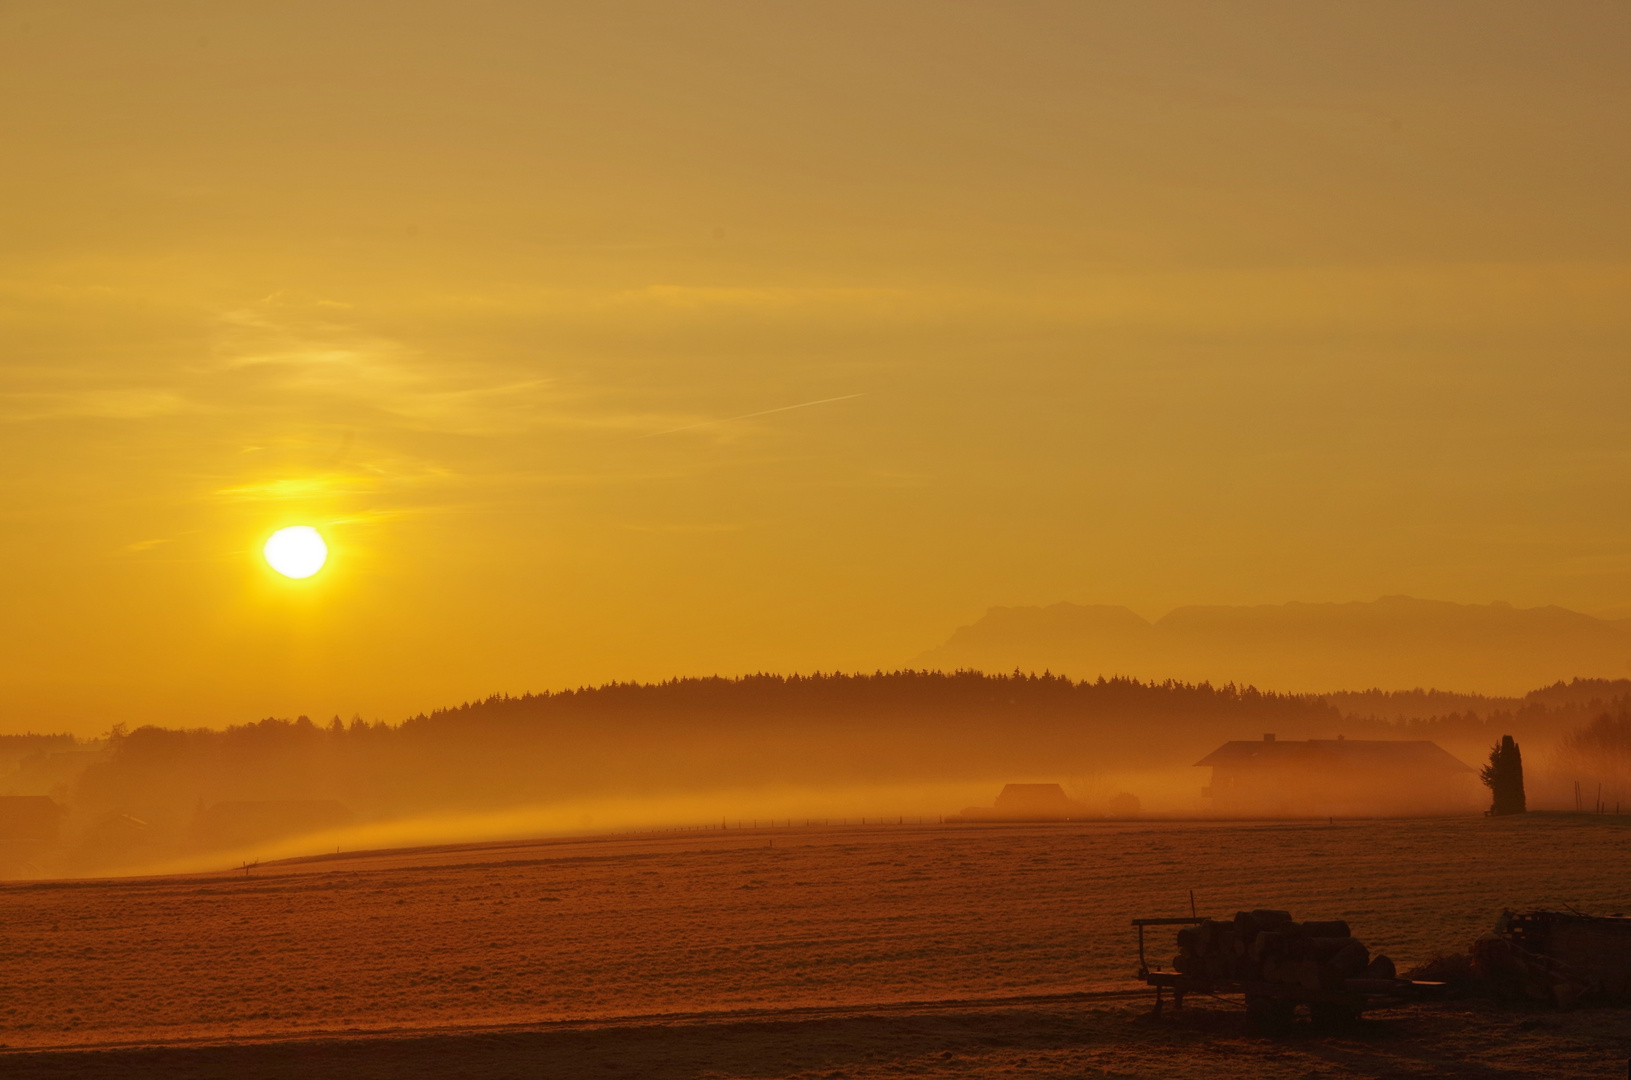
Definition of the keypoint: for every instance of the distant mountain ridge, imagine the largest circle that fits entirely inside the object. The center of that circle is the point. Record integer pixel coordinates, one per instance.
(1395, 643)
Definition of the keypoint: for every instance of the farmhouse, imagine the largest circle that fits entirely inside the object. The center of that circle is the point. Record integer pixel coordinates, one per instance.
(1338, 776)
(29, 817)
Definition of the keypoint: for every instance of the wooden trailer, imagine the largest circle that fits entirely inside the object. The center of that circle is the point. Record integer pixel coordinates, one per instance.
(1271, 1005)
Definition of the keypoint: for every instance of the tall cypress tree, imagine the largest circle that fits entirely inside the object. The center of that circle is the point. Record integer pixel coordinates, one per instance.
(1504, 777)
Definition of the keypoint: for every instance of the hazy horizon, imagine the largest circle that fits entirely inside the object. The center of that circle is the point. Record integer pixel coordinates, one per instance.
(1466, 654)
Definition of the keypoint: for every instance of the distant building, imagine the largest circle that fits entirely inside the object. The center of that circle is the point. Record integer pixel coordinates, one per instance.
(1338, 776)
(30, 817)
(1027, 802)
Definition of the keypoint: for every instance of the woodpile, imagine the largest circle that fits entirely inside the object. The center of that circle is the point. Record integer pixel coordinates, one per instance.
(1270, 946)
(1585, 954)
(1513, 973)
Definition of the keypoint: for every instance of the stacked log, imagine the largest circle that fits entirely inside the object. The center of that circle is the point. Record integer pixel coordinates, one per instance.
(1514, 973)
(1270, 946)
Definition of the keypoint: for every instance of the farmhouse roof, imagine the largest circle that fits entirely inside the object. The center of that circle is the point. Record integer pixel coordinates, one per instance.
(39, 804)
(1354, 753)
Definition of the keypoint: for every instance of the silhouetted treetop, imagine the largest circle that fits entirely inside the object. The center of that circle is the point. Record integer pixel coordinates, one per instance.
(835, 697)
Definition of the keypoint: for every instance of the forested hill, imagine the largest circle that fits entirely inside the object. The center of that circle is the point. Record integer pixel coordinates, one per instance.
(893, 727)
(821, 729)
(907, 699)
(1590, 695)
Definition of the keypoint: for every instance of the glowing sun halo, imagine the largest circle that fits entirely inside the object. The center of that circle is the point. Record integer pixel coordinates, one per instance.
(296, 552)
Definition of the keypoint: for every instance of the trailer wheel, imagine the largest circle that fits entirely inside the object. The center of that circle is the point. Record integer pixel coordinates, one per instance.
(1333, 1015)
(1269, 1015)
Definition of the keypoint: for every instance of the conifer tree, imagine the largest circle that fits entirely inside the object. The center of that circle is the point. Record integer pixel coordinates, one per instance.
(1504, 777)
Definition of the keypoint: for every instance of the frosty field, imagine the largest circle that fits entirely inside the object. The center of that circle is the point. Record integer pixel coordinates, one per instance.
(660, 933)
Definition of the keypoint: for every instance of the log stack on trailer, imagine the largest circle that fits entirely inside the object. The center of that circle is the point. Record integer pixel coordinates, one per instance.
(1270, 946)
(1277, 963)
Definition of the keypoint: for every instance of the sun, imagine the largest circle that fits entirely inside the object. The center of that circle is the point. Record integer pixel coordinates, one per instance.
(296, 552)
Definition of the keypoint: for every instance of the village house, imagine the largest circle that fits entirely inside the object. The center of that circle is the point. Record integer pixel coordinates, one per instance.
(1340, 776)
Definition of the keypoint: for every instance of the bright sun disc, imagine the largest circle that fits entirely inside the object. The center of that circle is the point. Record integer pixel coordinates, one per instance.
(296, 552)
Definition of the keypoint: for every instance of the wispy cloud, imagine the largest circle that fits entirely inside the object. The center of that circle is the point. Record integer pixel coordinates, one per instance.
(304, 355)
(751, 415)
(93, 403)
(297, 488)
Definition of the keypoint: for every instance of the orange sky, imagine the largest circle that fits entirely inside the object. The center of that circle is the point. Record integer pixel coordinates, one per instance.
(1143, 304)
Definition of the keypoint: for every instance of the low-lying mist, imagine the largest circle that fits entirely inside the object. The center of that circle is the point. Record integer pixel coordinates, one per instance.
(706, 752)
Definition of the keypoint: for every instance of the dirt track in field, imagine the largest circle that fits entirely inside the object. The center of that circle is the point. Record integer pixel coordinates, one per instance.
(435, 946)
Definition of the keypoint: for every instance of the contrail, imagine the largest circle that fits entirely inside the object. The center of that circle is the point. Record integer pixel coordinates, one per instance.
(751, 415)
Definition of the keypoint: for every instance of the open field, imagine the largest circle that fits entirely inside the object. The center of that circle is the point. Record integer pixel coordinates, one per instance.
(1032, 1039)
(824, 948)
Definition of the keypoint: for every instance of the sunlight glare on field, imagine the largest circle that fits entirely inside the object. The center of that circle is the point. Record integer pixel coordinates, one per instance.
(296, 552)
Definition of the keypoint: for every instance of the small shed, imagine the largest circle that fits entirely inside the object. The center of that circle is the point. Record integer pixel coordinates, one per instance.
(1338, 776)
(1027, 802)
